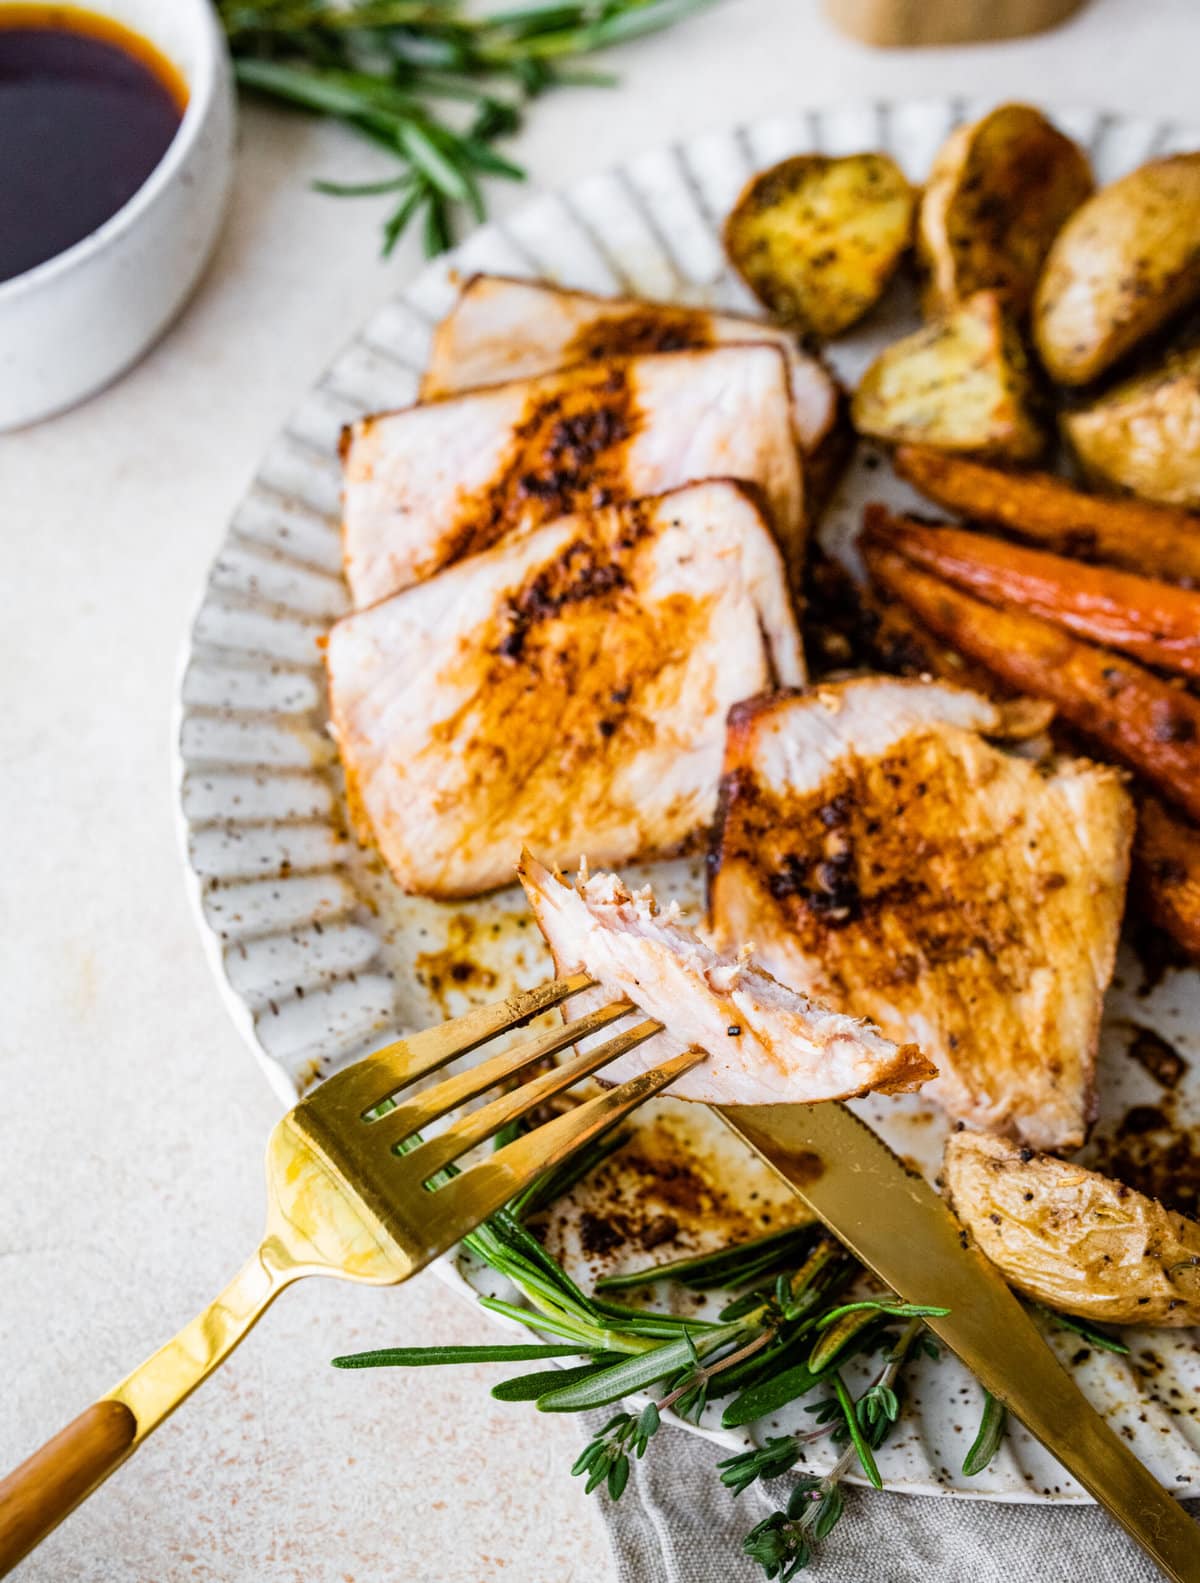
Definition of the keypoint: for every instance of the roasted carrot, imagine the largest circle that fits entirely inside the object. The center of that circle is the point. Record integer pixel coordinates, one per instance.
(1157, 541)
(904, 646)
(1124, 709)
(1166, 854)
(1154, 621)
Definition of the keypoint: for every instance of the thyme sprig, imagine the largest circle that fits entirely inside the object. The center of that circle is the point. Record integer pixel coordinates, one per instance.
(784, 1542)
(434, 86)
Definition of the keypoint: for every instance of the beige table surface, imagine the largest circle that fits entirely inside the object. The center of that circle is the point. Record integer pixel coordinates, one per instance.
(131, 1116)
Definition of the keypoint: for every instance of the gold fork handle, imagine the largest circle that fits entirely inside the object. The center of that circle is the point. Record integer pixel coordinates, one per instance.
(48, 1486)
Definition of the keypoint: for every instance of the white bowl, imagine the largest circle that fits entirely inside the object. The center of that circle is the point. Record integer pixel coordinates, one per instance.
(72, 324)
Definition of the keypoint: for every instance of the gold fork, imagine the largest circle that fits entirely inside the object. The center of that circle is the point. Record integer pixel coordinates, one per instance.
(342, 1200)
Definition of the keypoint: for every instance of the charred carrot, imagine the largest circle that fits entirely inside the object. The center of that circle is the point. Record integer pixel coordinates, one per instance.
(1166, 854)
(904, 646)
(1124, 709)
(1154, 621)
(1157, 541)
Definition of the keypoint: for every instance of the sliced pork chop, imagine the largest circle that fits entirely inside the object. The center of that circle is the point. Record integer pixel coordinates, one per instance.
(502, 329)
(569, 686)
(887, 859)
(428, 485)
(766, 1044)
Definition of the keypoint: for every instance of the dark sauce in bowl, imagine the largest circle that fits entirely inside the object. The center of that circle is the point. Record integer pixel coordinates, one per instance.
(87, 110)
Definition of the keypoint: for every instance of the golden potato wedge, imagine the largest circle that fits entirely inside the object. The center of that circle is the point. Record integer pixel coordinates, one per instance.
(817, 239)
(959, 385)
(1144, 436)
(997, 196)
(1123, 264)
(1073, 1239)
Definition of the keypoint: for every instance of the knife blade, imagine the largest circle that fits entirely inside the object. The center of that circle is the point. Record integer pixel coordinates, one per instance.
(901, 1229)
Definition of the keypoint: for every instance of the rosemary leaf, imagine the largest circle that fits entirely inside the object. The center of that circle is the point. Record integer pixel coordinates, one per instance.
(431, 162)
(361, 189)
(646, 1322)
(889, 1306)
(788, 1346)
(634, 1374)
(850, 1412)
(592, 1338)
(555, 1183)
(529, 1387)
(989, 1438)
(535, 1272)
(301, 85)
(834, 1340)
(727, 1267)
(1103, 1340)
(768, 1396)
(477, 153)
(419, 1357)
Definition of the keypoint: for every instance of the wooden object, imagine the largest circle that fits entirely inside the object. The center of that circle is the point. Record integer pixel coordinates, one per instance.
(898, 23)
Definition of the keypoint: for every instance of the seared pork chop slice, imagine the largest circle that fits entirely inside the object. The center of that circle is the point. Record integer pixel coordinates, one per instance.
(568, 686)
(887, 859)
(502, 329)
(766, 1044)
(428, 485)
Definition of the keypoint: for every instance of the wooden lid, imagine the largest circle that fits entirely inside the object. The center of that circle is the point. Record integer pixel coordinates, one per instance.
(893, 23)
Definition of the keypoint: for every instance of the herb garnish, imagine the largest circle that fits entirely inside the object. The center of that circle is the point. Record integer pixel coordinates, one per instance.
(396, 71)
(788, 1331)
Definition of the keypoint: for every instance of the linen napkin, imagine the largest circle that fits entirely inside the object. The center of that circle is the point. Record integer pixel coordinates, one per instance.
(676, 1523)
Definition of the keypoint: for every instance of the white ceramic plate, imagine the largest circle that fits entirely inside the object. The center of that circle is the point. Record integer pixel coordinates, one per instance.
(322, 960)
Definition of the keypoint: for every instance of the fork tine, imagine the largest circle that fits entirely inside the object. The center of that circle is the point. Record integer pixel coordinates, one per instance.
(422, 1162)
(380, 1076)
(480, 1191)
(413, 1115)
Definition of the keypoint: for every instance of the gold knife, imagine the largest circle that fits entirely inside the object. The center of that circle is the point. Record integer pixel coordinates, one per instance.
(897, 1225)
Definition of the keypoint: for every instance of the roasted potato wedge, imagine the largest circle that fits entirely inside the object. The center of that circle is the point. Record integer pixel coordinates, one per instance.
(1073, 1239)
(1123, 264)
(817, 239)
(1145, 435)
(997, 196)
(959, 385)
(1166, 868)
(1129, 712)
(1155, 540)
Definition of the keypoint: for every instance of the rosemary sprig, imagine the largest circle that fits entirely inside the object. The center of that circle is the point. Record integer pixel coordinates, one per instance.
(778, 1341)
(432, 84)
